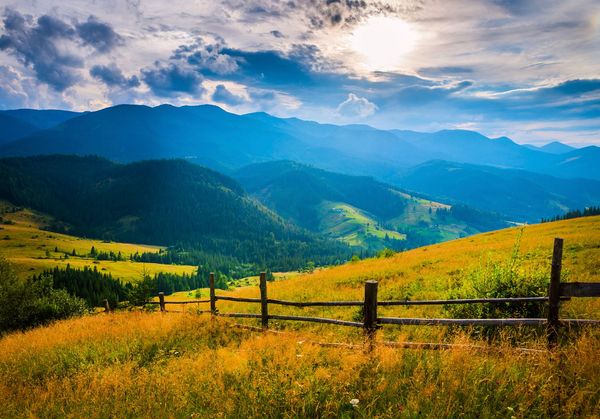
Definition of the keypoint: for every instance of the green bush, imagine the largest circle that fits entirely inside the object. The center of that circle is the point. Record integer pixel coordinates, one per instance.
(502, 280)
(28, 303)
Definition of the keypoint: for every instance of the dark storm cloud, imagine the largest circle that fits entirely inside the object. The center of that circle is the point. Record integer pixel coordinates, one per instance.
(40, 45)
(35, 44)
(318, 14)
(112, 76)
(171, 80)
(99, 35)
(327, 13)
(223, 95)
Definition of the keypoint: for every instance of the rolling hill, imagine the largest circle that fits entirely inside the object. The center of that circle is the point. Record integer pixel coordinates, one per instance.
(13, 128)
(20, 123)
(358, 210)
(520, 195)
(166, 202)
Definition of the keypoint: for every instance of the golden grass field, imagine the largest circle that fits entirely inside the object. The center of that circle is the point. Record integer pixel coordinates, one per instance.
(31, 250)
(149, 364)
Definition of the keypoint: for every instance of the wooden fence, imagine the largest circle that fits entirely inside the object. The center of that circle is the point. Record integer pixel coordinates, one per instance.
(557, 291)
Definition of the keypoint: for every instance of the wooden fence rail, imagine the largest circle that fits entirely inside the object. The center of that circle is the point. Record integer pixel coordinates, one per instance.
(557, 292)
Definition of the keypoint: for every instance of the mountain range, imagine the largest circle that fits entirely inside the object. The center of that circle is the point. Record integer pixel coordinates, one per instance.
(528, 182)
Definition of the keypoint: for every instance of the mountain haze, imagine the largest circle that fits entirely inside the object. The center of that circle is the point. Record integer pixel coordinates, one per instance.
(226, 141)
(520, 195)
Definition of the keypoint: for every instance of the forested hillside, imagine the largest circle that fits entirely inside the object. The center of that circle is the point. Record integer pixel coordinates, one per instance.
(519, 195)
(168, 202)
(358, 209)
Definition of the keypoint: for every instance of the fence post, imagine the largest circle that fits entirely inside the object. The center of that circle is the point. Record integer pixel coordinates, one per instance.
(213, 300)
(161, 300)
(264, 306)
(370, 309)
(554, 293)
(106, 306)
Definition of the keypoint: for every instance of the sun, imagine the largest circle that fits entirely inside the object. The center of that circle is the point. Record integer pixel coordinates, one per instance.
(383, 42)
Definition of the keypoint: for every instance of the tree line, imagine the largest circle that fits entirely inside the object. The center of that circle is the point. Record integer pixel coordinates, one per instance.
(94, 286)
(587, 212)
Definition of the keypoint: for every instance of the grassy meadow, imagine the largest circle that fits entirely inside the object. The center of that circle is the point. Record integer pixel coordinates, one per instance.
(149, 364)
(31, 250)
(351, 225)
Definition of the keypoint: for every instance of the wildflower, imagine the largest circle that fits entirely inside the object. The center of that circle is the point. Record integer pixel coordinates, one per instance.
(354, 402)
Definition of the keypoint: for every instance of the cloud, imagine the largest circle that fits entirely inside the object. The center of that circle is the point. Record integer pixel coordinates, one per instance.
(12, 94)
(172, 79)
(443, 71)
(35, 44)
(99, 35)
(47, 45)
(222, 95)
(206, 57)
(356, 107)
(112, 76)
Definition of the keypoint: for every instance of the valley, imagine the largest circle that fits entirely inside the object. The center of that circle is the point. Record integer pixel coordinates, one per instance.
(299, 209)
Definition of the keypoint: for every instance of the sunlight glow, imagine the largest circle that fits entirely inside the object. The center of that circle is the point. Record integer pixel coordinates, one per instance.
(383, 42)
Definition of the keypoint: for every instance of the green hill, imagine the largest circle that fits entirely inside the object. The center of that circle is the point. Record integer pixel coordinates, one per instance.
(358, 210)
(166, 202)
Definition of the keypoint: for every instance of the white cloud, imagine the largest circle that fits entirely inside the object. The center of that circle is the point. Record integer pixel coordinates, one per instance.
(356, 107)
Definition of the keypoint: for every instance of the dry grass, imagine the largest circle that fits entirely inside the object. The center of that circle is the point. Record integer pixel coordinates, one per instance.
(153, 365)
(31, 250)
(182, 365)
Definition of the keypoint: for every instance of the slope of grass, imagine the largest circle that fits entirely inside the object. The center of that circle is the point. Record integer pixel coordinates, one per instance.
(32, 250)
(353, 226)
(173, 365)
(183, 365)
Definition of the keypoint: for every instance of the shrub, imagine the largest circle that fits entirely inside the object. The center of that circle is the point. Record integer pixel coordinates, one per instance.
(501, 280)
(385, 253)
(28, 303)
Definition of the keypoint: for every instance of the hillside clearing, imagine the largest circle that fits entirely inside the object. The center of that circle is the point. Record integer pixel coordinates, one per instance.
(31, 250)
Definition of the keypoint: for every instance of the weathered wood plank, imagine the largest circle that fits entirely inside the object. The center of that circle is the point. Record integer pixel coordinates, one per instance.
(554, 293)
(238, 299)
(241, 315)
(161, 301)
(466, 301)
(213, 300)
(580, 289)
(180, 302)
(462, 322)
(405, 302)
(316, 320)
(370, 308)
(264, 305)
(315, 303)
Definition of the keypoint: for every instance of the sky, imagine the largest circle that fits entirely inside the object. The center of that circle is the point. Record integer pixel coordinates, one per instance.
(528, 69)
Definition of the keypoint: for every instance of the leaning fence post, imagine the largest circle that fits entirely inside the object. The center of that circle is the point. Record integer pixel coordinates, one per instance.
(554, 293)
(370, 309)
(161, 300)
(264, 306)
(106, 306)
(213, 300)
